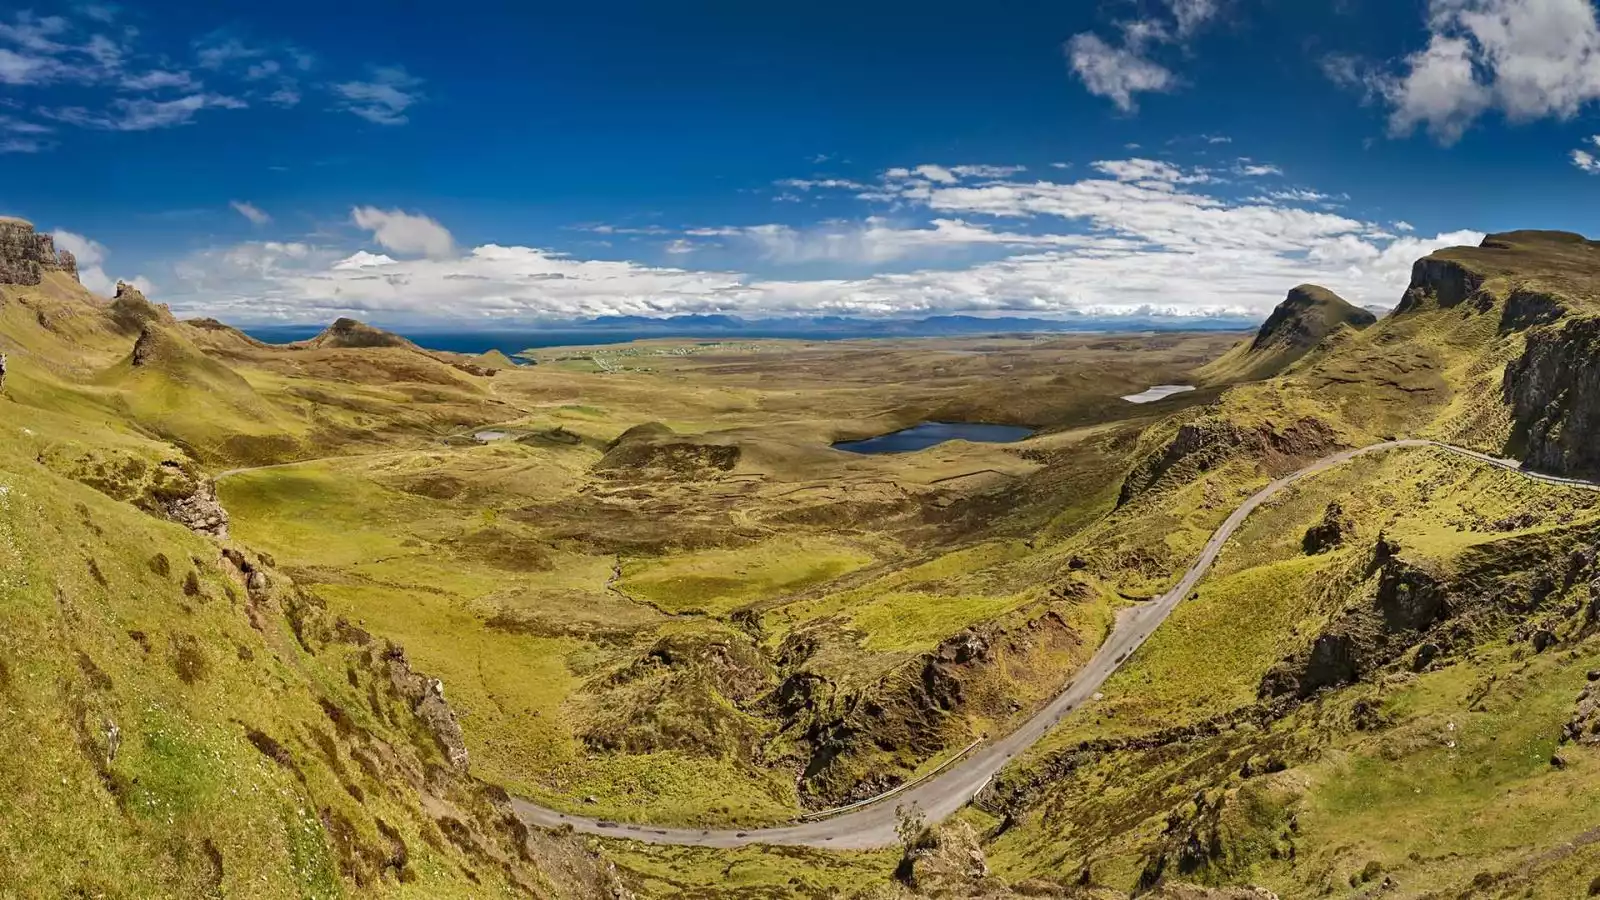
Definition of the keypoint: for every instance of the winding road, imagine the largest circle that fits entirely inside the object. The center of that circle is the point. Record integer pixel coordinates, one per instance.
(873, 826)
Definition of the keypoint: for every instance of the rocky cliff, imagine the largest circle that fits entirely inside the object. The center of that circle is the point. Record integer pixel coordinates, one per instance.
(26, 255)
(1553, 390)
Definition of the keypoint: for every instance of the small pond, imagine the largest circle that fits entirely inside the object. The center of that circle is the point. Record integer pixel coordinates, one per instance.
(484, 437)
(1159, 392)
(927, 434)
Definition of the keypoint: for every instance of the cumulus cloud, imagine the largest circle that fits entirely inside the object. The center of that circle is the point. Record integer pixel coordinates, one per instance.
(1528, 59)
(403, 232)
(1120, 72)
(250, 211)
(1129, 237)
(91, 256)
(384, 98)
(1117, 73)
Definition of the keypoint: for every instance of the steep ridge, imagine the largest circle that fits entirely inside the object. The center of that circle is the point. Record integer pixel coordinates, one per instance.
(1307, 316)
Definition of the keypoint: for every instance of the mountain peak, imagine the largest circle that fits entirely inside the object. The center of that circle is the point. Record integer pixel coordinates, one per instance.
(1307, 315)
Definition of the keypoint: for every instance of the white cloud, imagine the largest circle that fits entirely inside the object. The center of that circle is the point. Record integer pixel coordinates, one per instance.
(1586, 161)
(159, 79)
(285, 97)
(216, 51)
(1294, 195)
(1404, 227)
(21, 136)
(877, 240)
(1529, 59)
(263, 69)
(808, 184)
(936, 173)
(384, 99)
(91, 257)
(404, 232)
(1256, 170)
(143, 114)
(1121, 73)
(986, 171)
(1116, 73)
(1149, 170)
(250, 211)
(1191, 14)
(1132, 237)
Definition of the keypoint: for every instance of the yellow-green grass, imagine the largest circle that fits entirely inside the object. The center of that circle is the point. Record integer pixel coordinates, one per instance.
(378, 556)
(719, 581)
(1458, 787)
(94, 633)
(751, 872)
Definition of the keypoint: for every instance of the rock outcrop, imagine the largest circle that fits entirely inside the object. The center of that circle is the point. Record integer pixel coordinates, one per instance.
(1208, 442)
(26, 255)
(1553, 390)
(199, 510)
(1328, 534)
(426, 696)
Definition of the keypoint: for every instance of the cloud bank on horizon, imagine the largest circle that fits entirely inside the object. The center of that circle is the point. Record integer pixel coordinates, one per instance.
(1134, 237)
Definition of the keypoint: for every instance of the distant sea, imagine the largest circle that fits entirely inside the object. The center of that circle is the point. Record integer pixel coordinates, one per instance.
(507, 342)
(619, 331)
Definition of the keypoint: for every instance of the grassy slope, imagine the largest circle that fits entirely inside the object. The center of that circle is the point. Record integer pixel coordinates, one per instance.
(1455, 790)
(135, 765)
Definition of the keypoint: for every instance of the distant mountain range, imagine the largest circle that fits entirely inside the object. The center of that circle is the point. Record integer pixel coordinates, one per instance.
(618, 329)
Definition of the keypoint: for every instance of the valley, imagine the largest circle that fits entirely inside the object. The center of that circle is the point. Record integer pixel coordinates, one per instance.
(354, 616)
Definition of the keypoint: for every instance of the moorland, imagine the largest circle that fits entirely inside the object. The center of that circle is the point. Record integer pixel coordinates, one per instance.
(300, 620)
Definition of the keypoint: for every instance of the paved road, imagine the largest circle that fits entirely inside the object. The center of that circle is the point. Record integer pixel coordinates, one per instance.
(872, 826)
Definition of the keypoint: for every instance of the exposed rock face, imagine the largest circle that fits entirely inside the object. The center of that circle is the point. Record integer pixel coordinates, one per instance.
(1406, 601)
(1584, 726)
(1209, 443)
(199, 511)
(1553, 390)
(1444, 281)
(859, 741)
(684, 693)
(26, 255)
(133, 314)
(426, 696)
(1329, 533)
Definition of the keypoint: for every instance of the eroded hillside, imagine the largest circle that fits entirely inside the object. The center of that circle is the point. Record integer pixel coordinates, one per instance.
(275, 610)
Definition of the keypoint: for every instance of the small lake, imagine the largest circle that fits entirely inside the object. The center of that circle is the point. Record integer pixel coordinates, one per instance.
(927, 434)
(1159, 392)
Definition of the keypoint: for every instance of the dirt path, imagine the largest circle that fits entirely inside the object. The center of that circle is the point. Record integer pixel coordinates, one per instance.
(873, 826)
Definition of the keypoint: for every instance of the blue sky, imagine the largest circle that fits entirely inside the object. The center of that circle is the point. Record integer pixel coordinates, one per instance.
(508, 163)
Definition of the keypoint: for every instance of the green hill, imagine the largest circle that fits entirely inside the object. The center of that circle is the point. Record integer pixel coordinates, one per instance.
(1297, 325)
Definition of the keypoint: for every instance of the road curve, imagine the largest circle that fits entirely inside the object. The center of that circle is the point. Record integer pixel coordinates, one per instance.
(873, 826)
